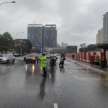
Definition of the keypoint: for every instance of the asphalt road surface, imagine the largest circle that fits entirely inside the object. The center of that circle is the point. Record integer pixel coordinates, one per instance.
(22, 86)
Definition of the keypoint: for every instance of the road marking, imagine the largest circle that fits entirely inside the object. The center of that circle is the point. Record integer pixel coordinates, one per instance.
(55, 105)
(85, 78)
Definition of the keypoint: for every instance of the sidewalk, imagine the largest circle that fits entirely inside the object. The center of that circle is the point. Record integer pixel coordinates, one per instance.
(94, 68)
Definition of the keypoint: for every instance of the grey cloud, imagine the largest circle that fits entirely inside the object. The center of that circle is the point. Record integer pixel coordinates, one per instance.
(86, 22)
(78, 19)
(33, 5)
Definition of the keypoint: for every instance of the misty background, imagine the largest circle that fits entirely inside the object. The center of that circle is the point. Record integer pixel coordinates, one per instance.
(77, 21)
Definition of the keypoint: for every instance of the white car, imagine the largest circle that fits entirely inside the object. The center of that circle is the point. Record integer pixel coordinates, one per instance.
(7, 58)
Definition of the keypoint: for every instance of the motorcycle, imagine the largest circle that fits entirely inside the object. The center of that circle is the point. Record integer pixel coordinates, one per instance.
(61, 64)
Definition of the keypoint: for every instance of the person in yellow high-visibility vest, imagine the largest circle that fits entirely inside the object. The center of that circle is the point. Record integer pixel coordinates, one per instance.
(43, 64)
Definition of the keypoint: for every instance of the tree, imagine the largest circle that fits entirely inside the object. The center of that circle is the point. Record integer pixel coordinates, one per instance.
(6, 42)
(9, 40)
(1, 42)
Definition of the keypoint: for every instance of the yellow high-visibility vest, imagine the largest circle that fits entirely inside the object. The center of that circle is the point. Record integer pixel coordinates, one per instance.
(43, 62)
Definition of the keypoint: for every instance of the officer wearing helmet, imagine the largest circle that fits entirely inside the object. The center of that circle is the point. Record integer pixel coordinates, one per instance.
(43, 64)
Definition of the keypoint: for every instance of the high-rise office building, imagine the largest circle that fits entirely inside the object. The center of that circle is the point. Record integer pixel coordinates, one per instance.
(105, 28)
(39, 34)
(100, 37)
(35, 35)
(50, 36)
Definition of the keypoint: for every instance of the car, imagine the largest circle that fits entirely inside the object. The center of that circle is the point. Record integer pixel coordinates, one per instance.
(31, 58)
(7, 58)
(17, 54)
(52, 56)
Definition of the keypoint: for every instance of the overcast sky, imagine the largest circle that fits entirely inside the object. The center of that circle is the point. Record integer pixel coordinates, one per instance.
(77, 20)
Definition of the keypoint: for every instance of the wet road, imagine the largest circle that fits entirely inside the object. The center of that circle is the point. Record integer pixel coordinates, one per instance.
(22, 86)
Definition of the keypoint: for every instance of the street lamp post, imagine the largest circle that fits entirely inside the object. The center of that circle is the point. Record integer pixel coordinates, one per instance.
(42, 39)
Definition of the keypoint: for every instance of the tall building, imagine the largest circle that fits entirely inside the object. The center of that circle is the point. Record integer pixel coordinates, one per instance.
(105, 28)
(35, 35)
(100, 37)
(64, 45)
(50, 36)
(39, 34)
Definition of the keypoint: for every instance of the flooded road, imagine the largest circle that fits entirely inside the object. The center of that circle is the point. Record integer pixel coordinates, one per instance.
(22, 86)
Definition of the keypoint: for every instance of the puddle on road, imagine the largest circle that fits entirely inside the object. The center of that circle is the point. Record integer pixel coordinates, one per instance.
(104, 79)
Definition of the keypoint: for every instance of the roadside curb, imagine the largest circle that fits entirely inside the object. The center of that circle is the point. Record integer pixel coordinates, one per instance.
(90, 67)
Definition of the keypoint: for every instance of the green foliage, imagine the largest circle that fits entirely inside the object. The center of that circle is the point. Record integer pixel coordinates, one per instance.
(6, 42)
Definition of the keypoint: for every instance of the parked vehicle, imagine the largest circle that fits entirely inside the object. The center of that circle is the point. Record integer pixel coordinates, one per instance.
(7, 58)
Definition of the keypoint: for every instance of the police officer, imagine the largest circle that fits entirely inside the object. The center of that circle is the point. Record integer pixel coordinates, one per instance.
(43, 64)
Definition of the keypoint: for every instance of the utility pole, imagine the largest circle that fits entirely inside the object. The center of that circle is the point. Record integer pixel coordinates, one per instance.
(43, 39)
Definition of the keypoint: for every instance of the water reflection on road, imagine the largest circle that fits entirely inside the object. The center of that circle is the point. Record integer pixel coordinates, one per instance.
(52, 74)
(23, 84)
(34, 77)
(42, 87)
(104, 80)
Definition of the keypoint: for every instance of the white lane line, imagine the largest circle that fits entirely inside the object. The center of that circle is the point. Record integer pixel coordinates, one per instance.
(85, 78)
(55, 105)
